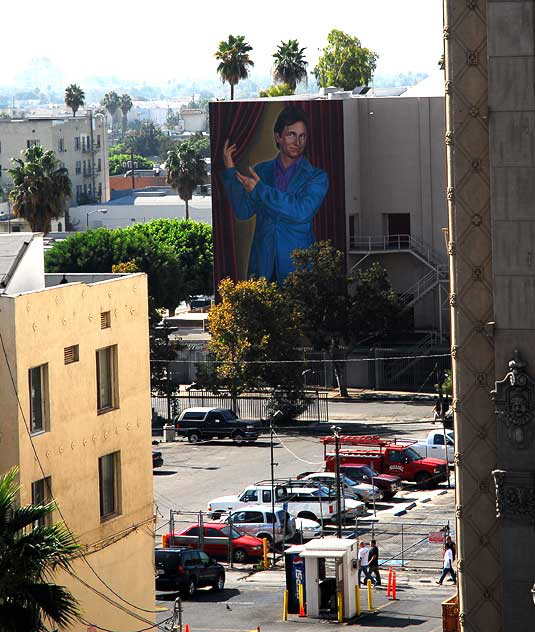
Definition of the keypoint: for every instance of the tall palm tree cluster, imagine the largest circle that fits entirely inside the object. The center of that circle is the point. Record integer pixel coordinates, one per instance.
(289, 67)
(112, 102)
(30, 551)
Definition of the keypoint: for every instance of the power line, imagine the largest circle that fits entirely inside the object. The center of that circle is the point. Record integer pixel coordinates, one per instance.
(308, 361)
(28, 431)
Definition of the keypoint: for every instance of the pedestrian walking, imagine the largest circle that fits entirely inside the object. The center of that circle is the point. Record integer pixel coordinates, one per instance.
(448, 565)
(452, 545)
(363, 567)
(373, 563)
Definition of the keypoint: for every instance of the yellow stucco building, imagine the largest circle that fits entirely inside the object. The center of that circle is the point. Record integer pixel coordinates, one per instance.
(75, 416)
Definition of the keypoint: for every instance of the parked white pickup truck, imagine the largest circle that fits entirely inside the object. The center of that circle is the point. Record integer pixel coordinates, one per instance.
(300, 502)
(434, 445)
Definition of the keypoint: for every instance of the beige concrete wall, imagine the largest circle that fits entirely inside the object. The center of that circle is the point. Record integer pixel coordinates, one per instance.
(46, 322)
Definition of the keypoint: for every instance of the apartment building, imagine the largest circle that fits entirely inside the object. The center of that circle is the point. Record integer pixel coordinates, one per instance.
(77, 423)
(80, 144)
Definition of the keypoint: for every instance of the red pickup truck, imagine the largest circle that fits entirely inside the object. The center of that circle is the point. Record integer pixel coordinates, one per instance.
(387, 457)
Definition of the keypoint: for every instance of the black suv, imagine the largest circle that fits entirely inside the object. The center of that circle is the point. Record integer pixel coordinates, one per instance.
(186, 570)
(220, 423)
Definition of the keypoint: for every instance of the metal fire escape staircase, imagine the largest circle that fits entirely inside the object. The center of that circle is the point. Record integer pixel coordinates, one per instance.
(436, 274)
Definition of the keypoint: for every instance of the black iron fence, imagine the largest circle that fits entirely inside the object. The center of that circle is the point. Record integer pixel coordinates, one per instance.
(256, 405)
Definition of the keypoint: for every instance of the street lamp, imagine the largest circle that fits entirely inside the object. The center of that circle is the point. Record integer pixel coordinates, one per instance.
(336, 433)
(96, 210)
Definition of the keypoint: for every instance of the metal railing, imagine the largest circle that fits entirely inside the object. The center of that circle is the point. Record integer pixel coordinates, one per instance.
(387, 243)
(314, 404)
(424, 285)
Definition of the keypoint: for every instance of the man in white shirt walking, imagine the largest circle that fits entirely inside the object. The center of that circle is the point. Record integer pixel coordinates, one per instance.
(363, 567)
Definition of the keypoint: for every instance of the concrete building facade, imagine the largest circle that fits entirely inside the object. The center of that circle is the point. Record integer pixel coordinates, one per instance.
(80, 144)
(76, 420)
(395, 182)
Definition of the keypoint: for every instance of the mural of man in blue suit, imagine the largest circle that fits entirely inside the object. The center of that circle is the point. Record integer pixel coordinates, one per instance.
(284, 193)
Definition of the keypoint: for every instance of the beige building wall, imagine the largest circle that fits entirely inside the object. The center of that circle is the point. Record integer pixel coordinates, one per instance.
(59, 135)
(36, 327)
(395, 164)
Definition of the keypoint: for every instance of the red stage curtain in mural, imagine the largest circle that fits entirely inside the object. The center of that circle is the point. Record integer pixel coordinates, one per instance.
(236, 121)
(326, 151)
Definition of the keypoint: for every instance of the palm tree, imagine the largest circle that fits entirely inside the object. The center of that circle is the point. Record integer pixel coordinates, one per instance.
(40, 188)
(125, 105)
(74, 97)
(233, 56)
(28, 557)
(185, 169)
(111, 101)
(290, 66)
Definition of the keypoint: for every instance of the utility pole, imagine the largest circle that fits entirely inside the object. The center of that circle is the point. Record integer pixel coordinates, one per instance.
(336, 433)
(441, 378)
(272, 487)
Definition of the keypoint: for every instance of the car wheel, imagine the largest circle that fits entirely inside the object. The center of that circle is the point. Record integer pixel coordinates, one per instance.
(239, 555)
(194, 437)
(190, 588)
(219, 584)
(238, 438)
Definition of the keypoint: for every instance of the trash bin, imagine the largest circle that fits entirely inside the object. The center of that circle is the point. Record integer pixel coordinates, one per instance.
(168, 433)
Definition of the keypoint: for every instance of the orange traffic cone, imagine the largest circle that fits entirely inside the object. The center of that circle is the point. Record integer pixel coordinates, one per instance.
(302, 610)
(186, 629)
(394, 586)
(389, 587)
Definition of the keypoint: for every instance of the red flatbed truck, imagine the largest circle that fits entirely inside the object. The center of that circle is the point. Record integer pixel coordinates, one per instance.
(387, 456)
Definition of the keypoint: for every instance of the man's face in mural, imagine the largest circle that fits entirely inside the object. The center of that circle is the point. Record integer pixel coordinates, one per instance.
(292, 141)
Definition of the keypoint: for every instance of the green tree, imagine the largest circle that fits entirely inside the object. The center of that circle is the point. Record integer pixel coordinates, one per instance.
(234, 60)
(111, 102)
(146, 140)
(125, 105)
(176, 270)
(345, 63)
(278, 90)
(334, 311)
(74, 97)
(117, 163)
(40, 188)
(185, 169)
(30, 552)
(251, 327)
(290, 66)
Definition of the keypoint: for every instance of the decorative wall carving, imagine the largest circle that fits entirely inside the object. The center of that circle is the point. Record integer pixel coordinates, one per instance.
(514, 399)
(515, 496)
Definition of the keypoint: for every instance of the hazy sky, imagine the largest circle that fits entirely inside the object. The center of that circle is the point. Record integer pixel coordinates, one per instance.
(176, 39)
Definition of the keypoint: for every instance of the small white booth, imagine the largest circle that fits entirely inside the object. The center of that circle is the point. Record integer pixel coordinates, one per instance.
(331, 567)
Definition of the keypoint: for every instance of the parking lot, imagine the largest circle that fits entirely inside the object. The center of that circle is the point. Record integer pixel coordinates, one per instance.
(194, 474)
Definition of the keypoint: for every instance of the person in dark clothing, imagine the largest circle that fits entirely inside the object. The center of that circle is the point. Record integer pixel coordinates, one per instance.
(373, 563)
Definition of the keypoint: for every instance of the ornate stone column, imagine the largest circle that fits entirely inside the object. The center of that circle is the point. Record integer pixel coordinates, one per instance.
(470, 255)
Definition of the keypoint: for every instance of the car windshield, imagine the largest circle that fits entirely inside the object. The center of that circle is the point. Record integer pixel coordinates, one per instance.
(226, 530)
(411, 454)
(322, 491)
(229, 415)
(369, 471)
(348, 481)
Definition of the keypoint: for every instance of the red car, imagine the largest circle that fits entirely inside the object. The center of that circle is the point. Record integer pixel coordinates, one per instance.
(216, 541)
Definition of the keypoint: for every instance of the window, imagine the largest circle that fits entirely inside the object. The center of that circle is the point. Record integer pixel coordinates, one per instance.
(253, 517)
(32, 143)
(194, 416)
(98, 141)
(249, 496)
(105, 320)
(71, 354)
(99, 165)
(99, 190)
(78, 167)
(61, 144)
(193, 531)
(38, 386)
(209, 532)
(266, 496)
(109, 484)
(77, 143)
(106, 379)
(42, 494)
(395, 456)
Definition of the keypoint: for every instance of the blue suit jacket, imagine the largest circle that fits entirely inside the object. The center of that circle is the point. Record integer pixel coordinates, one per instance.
(283, 219)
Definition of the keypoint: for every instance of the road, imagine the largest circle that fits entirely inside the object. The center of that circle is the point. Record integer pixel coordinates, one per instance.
(194, 474)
